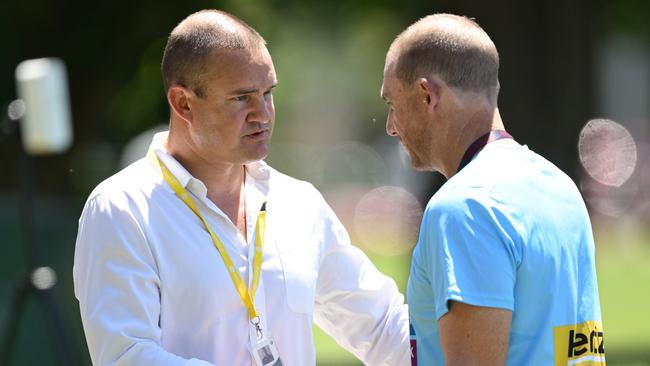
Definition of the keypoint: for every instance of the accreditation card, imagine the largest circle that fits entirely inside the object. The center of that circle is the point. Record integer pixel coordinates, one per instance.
(265, 353)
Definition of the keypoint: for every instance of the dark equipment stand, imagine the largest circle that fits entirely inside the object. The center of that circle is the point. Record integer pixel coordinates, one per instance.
(24, 286)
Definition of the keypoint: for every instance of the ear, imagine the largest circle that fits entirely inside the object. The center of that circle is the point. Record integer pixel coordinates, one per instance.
(179, 99)
(428, 91)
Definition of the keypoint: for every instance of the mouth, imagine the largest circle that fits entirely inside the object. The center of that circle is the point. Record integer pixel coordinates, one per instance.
(258, 135)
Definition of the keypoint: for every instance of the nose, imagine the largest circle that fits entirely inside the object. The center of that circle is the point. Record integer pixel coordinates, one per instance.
(390, 125)
(263, 110)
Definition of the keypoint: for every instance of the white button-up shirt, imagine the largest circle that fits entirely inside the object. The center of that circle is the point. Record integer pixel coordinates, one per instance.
(153, 289)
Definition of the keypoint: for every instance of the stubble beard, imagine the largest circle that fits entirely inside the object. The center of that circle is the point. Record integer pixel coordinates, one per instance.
(419, 151)
(257, 152)
(418, 164)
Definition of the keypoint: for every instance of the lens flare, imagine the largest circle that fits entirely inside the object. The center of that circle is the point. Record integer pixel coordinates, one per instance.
(607, 152)
(16, 109)
(386, 220)
(43, 278)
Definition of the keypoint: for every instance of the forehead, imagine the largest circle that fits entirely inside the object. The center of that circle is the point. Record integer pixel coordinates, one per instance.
(389, 72)
(391, 85)
(240, 69)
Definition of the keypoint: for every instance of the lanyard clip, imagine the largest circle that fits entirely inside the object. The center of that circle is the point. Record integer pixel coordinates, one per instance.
(256, 322)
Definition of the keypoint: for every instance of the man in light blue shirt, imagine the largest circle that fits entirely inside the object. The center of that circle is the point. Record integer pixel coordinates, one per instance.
(504, 270)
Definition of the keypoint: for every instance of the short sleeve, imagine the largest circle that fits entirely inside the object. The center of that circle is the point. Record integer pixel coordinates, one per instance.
(472, 255)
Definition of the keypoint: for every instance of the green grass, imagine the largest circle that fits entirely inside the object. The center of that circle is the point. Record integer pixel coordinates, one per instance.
(623, 264)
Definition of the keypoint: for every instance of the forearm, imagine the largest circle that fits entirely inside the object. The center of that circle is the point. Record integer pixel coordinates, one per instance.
(362, 309)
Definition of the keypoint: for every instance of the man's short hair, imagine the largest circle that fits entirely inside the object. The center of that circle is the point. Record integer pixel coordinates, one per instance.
(195, 39)
(454, 48)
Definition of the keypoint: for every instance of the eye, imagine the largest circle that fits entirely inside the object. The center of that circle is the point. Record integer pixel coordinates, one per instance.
(240, 98)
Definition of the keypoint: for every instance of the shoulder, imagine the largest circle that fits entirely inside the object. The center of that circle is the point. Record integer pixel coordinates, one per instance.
(131, 184)
(507, 164)
(464, 211)
(457, 199)
(449, 212)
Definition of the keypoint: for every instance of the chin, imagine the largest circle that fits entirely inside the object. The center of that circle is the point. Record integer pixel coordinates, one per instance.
(420, 166)
(418, 163)
(256, 156)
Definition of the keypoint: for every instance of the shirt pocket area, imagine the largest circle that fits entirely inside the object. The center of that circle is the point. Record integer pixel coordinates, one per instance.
(300, 270)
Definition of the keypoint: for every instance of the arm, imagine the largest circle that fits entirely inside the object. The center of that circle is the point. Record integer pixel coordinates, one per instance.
(117, 284)
(471, 260)
(357, 305)
(474, 335)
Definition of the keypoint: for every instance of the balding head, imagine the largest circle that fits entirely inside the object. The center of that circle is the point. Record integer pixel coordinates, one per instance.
(198, 37)
(451, 47)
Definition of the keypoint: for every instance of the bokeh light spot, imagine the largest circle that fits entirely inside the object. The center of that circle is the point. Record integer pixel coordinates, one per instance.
(387, 219)
(607, 152)
(16, 109)
(43, 278)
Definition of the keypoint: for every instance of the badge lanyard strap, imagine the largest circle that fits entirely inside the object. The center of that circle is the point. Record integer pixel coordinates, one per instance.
(246, 296)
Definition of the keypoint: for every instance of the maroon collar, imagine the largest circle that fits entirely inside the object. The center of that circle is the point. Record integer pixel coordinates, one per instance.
(480, 143)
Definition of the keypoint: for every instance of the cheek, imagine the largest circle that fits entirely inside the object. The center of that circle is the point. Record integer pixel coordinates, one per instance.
(396, 118)
(402, 121)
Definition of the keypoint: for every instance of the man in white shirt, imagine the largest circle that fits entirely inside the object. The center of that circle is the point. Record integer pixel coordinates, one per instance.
(201, 254)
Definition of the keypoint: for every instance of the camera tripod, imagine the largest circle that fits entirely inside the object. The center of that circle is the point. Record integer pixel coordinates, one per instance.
(35, 281)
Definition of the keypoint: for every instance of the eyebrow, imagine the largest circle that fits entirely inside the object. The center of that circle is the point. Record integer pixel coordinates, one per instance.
(250, 90)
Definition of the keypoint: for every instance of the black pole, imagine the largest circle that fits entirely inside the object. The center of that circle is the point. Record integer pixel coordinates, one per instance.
(24, 286)
(17, 296)
(26, 208)
(62, 346)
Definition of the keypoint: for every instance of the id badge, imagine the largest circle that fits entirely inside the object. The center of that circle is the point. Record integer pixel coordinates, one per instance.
(265, 353)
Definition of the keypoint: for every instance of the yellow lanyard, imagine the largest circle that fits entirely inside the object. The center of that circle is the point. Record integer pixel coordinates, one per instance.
(247, 296)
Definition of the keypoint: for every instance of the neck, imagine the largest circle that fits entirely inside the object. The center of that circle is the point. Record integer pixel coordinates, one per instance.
(478, 123)
(224, 181)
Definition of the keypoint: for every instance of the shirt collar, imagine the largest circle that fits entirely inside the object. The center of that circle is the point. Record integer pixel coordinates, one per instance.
(258, 170)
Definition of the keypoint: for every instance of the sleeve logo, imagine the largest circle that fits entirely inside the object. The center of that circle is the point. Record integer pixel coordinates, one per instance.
(414, 346)
(579, 344)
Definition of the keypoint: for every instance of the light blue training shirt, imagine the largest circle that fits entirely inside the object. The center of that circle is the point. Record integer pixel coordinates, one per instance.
(511, 231)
